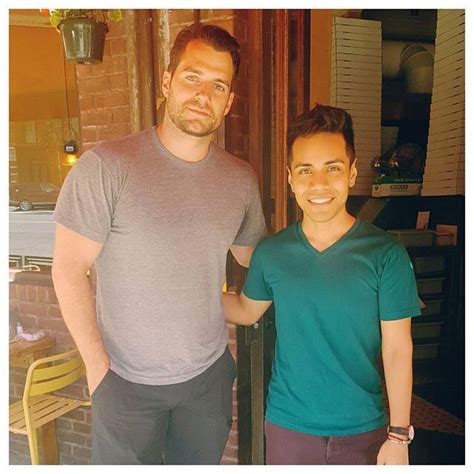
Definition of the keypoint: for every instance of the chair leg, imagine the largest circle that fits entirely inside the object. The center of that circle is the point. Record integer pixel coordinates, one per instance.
(48, 443)
(33, 444)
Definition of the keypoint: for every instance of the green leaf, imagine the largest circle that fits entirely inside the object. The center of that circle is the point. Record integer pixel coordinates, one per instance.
(115, 15)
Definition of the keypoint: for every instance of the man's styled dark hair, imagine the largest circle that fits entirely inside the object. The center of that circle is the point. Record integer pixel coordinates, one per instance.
(322, 119)
(220, 39)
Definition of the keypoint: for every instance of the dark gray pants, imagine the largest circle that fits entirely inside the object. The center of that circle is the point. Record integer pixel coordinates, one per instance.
(285, 446)
(184, 423)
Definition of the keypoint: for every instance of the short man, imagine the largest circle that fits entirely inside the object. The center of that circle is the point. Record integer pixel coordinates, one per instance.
(343, 291)
(157, 213)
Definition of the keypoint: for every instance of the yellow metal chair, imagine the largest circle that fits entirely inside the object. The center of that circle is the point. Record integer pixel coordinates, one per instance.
(39, 406)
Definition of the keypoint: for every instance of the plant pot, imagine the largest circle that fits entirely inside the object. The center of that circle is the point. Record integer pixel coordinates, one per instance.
(83, 39)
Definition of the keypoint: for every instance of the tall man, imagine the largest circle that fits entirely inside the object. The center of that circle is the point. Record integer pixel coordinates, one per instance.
(157, 213)
(343, 291)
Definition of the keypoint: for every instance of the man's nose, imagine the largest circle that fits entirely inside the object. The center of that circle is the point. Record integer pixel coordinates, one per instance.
(202, 94)
(319, 179)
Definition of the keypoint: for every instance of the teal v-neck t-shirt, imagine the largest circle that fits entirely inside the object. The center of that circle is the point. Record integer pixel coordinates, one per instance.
(328, 306)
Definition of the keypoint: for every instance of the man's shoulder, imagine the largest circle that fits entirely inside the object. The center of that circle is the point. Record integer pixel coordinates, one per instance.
(378, 240)
(123, 148)
(370, 230)
(279, 240)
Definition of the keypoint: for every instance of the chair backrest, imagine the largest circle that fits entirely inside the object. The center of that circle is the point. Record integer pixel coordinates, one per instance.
(66, 369)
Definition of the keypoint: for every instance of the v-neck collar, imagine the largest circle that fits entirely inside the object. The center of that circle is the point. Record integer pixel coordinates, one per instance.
(331, 248)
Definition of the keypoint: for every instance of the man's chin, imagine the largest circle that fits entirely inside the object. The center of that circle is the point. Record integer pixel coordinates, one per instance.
(195, 130)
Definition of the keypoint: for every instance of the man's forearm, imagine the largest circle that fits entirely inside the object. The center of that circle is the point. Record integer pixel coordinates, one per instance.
(399, 381)
(78, 309)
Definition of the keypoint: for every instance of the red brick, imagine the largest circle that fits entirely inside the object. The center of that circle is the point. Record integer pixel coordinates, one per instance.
(86, 103)
(71, 437)
(52, 298)
(118, 81)
(42, 293)
(118, 46)
(117, 64)
(31, 294)
(54, 311)
(17, 378)
(83, 70)
(34, 309)
(53, 324)
(112, 99)
(76, 415)
(81, 428)
(81, 452)
(121, 114)
(65, 448)
(89, 134)
(21, 292)
(96, 117)
(116, 28)
(92, 85)
(63, 424)
(12, 291)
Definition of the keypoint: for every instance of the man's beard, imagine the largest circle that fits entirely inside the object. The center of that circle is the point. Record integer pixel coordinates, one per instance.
(191, 126)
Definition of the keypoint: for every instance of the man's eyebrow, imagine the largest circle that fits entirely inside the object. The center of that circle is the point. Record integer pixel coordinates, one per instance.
(200, 73)
(331, 162)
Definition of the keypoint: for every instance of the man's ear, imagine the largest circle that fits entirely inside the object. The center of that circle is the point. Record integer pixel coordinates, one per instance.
(229, 103)
(353, 174)
(165, 83)
(290, 181)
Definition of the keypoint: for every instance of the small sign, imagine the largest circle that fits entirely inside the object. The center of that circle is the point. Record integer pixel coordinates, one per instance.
(422, 220)
(70, 147)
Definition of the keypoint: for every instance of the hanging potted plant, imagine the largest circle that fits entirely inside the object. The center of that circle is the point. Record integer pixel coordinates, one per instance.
(83, 32)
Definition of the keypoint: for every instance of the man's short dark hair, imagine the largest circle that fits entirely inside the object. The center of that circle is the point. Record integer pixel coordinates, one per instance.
(322, 119)
(220, 39)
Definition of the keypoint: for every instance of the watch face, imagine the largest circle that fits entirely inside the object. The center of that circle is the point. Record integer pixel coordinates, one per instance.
(411, 432)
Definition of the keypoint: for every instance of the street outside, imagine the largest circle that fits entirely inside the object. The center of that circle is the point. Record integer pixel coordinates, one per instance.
(31, 233)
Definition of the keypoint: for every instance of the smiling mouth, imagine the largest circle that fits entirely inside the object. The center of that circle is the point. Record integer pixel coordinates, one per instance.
(320, 201)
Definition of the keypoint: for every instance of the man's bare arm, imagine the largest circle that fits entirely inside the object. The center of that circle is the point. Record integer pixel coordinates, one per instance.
(242, 254)
(73, 255)
(239, 309)
(397, 355)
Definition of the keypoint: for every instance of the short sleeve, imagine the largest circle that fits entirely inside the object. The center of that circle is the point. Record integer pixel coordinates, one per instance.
(86, 201)
(256, 286)
(253, 228)
(398, 295)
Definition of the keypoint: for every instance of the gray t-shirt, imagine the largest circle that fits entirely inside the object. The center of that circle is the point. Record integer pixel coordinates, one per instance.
(166, 226)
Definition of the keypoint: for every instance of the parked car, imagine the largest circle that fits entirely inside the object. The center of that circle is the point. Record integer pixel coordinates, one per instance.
(28, 196)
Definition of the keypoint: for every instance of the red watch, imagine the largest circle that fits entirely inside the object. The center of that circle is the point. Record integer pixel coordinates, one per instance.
(407, 431)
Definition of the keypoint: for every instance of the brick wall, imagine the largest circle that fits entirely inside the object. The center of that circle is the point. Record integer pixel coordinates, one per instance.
(103, 92)
(37, 308)
(104, 115)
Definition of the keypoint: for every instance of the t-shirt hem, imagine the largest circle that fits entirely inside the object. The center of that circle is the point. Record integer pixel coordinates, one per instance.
(316, 431)
(256, 298)
(162, 380)
(406, 313)
(84, 232)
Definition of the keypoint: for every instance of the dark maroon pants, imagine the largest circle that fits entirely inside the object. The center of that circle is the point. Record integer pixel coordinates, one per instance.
(285, 446)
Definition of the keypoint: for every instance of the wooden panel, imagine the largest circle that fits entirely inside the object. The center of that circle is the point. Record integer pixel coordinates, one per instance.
(281, 118)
